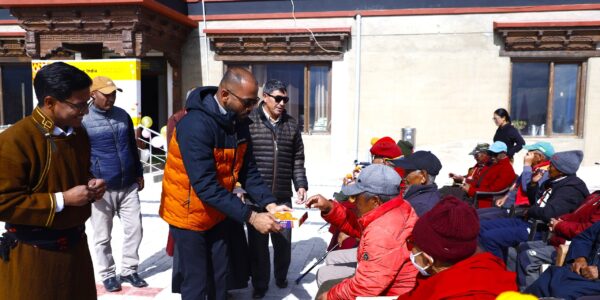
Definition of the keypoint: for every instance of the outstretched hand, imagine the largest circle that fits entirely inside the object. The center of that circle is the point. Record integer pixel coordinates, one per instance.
(320, 202)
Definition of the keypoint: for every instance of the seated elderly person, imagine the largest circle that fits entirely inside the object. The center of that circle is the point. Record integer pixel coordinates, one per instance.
(533, 254)
(580, 276)
(474, 174)
(497, 177)
(384, 222)
(444, 250)
(562, 193)
(420, 169)
(342, 262)
(536, 161)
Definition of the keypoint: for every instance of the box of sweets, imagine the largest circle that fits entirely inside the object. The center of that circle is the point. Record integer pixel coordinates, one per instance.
(293, 219)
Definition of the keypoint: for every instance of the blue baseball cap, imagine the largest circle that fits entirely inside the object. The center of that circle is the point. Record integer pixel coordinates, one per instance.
(498, 147)
(544, 147)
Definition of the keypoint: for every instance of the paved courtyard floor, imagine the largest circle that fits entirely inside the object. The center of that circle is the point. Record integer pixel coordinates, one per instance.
(308, 244)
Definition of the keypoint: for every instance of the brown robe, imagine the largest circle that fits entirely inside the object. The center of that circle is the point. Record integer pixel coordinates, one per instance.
(33, 166)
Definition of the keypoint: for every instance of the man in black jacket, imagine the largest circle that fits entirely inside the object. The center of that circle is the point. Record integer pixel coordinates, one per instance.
(279, 154)
(562, 193)
(421, 168)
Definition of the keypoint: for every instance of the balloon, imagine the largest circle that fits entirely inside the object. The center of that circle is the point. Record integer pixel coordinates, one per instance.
(145, 155)
(146, 133)
(157, 141)
(147, 122)
(163, 131)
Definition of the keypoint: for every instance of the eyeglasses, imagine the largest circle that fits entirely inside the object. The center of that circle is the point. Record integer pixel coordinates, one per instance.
(81, 107)
(247, 102)
(278, 98)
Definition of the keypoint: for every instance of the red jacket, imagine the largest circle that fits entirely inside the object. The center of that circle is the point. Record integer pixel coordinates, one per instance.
(384, 266)
(348, 243)
(495, 178)
(574, 223)
(480, 277)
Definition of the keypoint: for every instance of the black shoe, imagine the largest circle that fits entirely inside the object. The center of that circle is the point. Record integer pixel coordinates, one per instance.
(111, 284)
(135, 280)
(259, 293)
(282, 284)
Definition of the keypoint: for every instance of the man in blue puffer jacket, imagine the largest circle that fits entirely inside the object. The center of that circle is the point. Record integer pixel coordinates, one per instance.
(115, 159)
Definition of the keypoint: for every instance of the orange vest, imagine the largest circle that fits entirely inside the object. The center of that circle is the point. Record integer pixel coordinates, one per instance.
(180, 206)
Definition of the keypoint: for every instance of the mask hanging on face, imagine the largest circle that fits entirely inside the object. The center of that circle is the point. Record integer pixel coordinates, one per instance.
(422, 270)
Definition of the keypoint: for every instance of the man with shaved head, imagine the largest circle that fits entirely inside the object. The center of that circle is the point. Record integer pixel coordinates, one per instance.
(209, 152)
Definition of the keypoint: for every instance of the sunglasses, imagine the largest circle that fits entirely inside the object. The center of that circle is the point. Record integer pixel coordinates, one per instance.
(278, 99)
(247, 102)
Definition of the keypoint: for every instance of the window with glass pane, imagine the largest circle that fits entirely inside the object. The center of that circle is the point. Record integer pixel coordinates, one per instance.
(308, 87)
(544, 97)
(529, 100)
(16, 92)
(564, 100)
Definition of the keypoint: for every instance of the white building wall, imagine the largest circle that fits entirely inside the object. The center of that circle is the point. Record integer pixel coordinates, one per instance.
(442, 75)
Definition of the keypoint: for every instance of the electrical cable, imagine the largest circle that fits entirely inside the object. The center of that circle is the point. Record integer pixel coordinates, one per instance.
(311, 32)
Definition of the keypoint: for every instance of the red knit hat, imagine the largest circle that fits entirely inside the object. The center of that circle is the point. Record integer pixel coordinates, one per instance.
(448, 232)
(386, 147)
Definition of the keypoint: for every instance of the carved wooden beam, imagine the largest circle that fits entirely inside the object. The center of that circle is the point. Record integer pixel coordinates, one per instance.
(571, 39)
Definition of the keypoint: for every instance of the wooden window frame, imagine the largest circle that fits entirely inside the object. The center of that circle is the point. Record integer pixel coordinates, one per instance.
(579, 97)
(307, 66)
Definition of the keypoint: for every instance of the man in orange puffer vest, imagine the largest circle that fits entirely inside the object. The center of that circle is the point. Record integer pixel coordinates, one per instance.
(209, 152)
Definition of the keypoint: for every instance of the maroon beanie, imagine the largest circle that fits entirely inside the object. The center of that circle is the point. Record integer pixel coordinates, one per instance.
(386, 147)
(448, 232)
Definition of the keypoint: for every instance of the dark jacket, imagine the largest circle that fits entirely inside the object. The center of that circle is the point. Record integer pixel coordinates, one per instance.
(586, 244)
(511, 137)
(211, 147)
(566, 195)
(422, 197)
(279, 152)
(115, 156)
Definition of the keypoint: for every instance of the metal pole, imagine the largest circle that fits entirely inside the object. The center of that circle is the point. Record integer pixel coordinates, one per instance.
(357, 60)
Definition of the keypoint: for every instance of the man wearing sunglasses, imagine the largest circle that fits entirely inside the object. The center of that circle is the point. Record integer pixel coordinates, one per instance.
(209, 152)
(279, 153)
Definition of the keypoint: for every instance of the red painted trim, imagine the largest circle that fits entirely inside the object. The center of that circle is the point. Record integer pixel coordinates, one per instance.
(128, 291)
(399, 12)
(150, 4)
(21, 3)
(196, 1)
(12, 34)
(500, 25)
(171, 13)
(9, 22)
(276, 30)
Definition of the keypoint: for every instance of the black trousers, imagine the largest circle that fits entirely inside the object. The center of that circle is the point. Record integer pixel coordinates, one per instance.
(260, 261)
(200, 263)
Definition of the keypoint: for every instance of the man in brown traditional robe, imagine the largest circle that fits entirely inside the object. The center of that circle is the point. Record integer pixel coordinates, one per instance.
(45, 193)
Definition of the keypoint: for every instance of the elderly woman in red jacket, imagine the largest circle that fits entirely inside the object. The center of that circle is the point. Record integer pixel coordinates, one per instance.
(444, 250)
